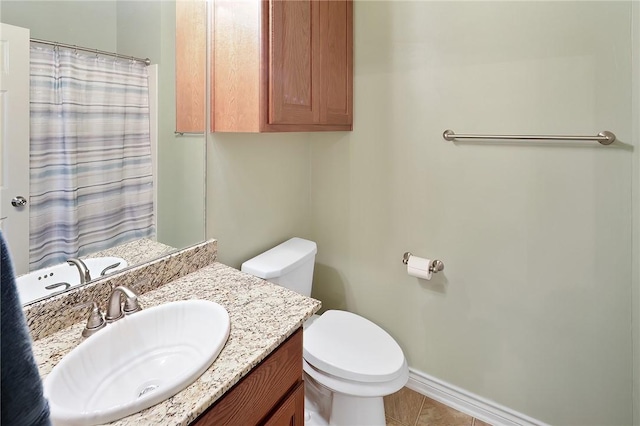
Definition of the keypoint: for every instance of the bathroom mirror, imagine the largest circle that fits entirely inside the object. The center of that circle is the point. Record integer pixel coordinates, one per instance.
(141, 29)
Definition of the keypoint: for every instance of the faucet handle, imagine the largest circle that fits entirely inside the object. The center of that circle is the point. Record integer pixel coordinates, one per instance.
(95, 321)
(131, 304)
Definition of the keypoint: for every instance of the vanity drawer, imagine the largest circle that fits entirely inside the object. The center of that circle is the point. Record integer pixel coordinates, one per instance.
(253, 400)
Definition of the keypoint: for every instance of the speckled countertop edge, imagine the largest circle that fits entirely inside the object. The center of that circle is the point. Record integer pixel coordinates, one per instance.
(262, 315)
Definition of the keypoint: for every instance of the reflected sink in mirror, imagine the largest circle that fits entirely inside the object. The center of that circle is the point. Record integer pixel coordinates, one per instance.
(136, 362)
(58, 278)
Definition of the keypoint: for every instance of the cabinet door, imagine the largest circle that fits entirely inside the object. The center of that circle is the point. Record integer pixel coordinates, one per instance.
(291, 411)
(191, 33)
(282, 65)
(335, 56)
(258, 394)
(293, 71)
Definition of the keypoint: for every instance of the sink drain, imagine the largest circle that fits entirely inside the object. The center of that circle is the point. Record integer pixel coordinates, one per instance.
(148, 389)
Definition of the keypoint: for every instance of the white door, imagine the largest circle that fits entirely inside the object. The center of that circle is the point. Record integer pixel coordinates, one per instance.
(14, 142)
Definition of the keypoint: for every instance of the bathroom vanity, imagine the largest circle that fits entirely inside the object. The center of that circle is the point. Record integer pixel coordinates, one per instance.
(271, 394)
(256, 379)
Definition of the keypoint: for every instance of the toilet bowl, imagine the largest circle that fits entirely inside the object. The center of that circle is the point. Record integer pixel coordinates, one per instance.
(349, 363)
(358, 362)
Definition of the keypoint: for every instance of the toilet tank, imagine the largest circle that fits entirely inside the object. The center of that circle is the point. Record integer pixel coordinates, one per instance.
(289, 264)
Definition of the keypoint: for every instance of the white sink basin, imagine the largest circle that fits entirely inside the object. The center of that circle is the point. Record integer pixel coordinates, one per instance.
(136, 362)
(58, 278)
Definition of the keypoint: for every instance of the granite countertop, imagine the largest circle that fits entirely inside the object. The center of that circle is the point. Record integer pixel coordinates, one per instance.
(262, 316)
(136, 252)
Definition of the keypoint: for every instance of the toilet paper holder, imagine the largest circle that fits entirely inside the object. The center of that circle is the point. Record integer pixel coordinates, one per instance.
(436, 265)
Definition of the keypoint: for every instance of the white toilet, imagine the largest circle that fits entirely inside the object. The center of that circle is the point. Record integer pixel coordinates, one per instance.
(349, 362)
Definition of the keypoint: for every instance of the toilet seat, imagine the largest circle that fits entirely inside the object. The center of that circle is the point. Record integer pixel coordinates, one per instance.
(348, 346)
(351, 387)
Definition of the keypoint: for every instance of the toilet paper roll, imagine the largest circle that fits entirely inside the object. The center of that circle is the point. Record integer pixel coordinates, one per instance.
(419, 267)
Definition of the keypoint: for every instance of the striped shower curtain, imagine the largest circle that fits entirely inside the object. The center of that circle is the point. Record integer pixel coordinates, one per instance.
(90, 166)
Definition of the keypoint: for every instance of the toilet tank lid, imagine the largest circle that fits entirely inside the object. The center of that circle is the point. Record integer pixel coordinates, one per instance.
(281, 259)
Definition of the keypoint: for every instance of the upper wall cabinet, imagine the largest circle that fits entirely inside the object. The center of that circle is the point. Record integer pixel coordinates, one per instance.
(191, 68)
(282, 65)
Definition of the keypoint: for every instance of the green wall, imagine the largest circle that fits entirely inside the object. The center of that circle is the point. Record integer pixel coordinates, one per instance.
(258, 192)
(533, 309)
(85, 23)
(636, 210)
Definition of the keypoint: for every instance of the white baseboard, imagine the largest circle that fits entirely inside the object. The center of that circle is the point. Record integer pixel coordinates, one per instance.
(466, 402)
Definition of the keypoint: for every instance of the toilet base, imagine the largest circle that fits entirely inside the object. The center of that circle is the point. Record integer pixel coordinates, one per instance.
(353, 410)
(323, 407)
(347, 412)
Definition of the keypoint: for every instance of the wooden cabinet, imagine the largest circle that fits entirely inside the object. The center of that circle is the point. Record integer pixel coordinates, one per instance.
(309, 75)
(291, 411)
(191, 68)
(271, 394)
(280, 65)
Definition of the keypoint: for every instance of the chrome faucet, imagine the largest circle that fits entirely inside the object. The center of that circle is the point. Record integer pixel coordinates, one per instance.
(115, 310)
(85, 276)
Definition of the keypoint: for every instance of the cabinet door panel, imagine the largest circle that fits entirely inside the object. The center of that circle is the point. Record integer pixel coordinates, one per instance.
(335, 24)
(251, 400)
(235, 88)
(291, 411)
(291, 76)
(191, 33)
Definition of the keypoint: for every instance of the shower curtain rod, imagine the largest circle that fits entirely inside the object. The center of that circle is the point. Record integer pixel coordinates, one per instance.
(145, 61)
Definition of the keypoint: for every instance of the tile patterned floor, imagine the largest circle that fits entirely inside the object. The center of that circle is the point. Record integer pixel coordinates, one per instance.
(409, 408)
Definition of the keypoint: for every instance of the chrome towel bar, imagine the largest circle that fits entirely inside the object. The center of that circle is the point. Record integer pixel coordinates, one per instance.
(605, 137)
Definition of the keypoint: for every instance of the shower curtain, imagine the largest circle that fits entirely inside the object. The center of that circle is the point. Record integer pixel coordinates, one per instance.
(90, 154)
